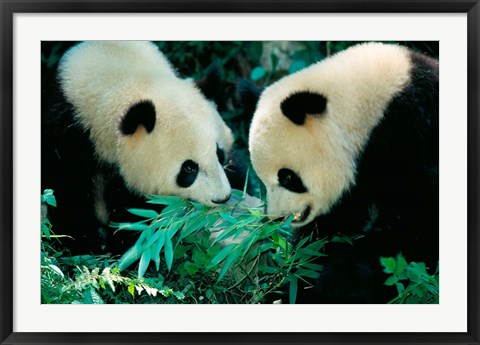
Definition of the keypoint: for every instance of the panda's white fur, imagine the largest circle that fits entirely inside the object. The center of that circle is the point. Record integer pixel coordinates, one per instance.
(358, 84)
(103, 79)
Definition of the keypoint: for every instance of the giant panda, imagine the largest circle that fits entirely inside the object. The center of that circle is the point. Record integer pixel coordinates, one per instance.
(120, 125)
(350, 146)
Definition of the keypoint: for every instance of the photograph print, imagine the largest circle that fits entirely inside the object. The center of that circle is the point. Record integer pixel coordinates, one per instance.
(239, 172)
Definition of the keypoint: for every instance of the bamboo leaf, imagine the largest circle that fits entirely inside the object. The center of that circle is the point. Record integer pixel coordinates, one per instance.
(293, 289)
(228, 262)
(131, 255)
(144, 261)
(130, 226)
(222, 254)
(165, 200)
(157, 248)
(228, 218)
(308, 273)
(168, 253)
(143, 213)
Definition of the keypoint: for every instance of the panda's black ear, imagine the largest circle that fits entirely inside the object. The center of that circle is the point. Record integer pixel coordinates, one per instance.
(249, 94)
(140, 114)
(210, 84)
(300, 104)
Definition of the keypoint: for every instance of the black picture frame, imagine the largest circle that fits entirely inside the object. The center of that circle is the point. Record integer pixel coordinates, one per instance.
(9, 8)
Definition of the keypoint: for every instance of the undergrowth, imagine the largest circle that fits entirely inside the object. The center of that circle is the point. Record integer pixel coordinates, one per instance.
(190, 253)
(196, 254)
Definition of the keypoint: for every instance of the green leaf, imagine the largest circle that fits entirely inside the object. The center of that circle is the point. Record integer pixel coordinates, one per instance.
(316, 246)
(130, 256)
(193, 225)
(223, 254)
(225, 233)
(419, 291)
(178, 295)
(308, 273)
(130, 226)
(274, 60)
(144, 261)
(400, 287)
(157, 248)
(228, 262)
(249, 241)
(109, 280)
(433, 289)
(310, 253)
(245, 185)
(391, 281)
(313, 267)
(417, 272)
(45, 230)
(165, 200)
(296, 66)
(258, 73)
(401, 265)
(50, 199)
(265, 246)
(255, 50)
(174, 210)
(420, 268)
(275, 238)
(342, 239)
(388, 264)
(48, 192)
(228, 218)
(293, 289)
(131, 289)
(143, 213)
(172, 229)
(91, 296)
(190, 267)
(168, 253)
(154, 238)
(56, 270)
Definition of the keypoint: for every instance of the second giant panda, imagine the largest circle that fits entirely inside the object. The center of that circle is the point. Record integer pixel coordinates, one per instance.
(350, 145)
(120, 125)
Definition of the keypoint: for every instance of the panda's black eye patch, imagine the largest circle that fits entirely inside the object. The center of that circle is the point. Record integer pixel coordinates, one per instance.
(300, 104)
(140, 114)
(220, 155)
(188, 174)
(291, 181)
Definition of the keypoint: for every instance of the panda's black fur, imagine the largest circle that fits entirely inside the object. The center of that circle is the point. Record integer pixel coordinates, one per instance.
(84, 185)
(397, 185)
(69, 168)
(394, 203)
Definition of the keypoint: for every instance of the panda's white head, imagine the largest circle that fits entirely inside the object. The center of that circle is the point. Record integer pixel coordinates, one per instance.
(161, 131)
(310, 128)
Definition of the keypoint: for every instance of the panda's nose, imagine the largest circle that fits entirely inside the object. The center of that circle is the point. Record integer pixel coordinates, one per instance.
(223, 200)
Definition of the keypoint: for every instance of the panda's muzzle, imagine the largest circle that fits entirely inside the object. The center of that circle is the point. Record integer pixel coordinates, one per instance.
(302, 216)
(223, 200)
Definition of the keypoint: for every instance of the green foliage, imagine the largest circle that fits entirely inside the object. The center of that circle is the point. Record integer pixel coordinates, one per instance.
(258, 73)
(47, 198)
(95, 286)
(90, 279)
(414, 284)
(231, 253)
(228, 254)
(53, 56)
(111, 287)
